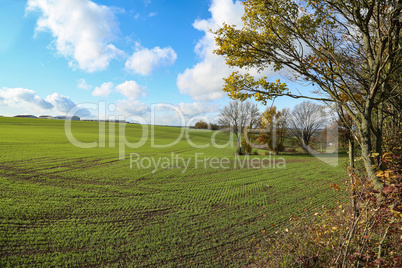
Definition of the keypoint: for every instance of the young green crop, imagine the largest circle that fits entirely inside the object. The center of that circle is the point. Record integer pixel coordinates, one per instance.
(66, 206)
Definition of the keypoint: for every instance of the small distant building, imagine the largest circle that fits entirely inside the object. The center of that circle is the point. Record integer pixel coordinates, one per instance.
(63, 117)
(45, 117)
(26, 116)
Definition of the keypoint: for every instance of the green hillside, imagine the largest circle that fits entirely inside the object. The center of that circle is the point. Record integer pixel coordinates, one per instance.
(61, 205)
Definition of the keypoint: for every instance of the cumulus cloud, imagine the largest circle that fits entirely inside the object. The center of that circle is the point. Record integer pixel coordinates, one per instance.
(132, 107)
(168, 114)
(21, 97)
(82, 31)
(27, 101)
(204, 81)
(185, 113)
(145, 60)
(82, 84)
(64, 104)
(197, 108)
(104, 90)
(131, 90)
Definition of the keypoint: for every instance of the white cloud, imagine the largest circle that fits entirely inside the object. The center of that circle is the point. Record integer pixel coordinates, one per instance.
(21, 97)
(104, 90)
(152, 14)
(197, 108)
(82, 31)
(131, 107)
(204, 81)
(64, 104)
(168, 119)
(27, 101)
(145, 60)
(131, 90)
(166, 114)
(82, 84)
(187, 113)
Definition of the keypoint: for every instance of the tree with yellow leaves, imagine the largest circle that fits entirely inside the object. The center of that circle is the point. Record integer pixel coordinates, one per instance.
(350, 49)
(275, 124)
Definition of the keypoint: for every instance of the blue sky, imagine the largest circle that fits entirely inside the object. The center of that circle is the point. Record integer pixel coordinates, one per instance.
(133, 55)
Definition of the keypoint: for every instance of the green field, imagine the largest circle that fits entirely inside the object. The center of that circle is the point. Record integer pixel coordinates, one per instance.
(67, 206)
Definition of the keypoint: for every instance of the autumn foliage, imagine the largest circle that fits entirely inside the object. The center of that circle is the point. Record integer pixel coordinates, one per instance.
(274, 123)
(367, 234)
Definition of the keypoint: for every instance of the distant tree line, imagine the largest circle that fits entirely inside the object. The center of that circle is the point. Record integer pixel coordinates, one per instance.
(204, 125)
(305, 125)
(270, 129)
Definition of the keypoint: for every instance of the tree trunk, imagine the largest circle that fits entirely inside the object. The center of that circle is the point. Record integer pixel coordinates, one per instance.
(238, 142)
(351, 153)
(378, 146)
(351, 171)
(366, 147)
(304, 145)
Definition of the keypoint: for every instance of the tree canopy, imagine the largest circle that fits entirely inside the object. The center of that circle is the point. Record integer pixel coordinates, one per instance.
(237, 117)
(275, 124)
(306, 119)
(350, 49)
